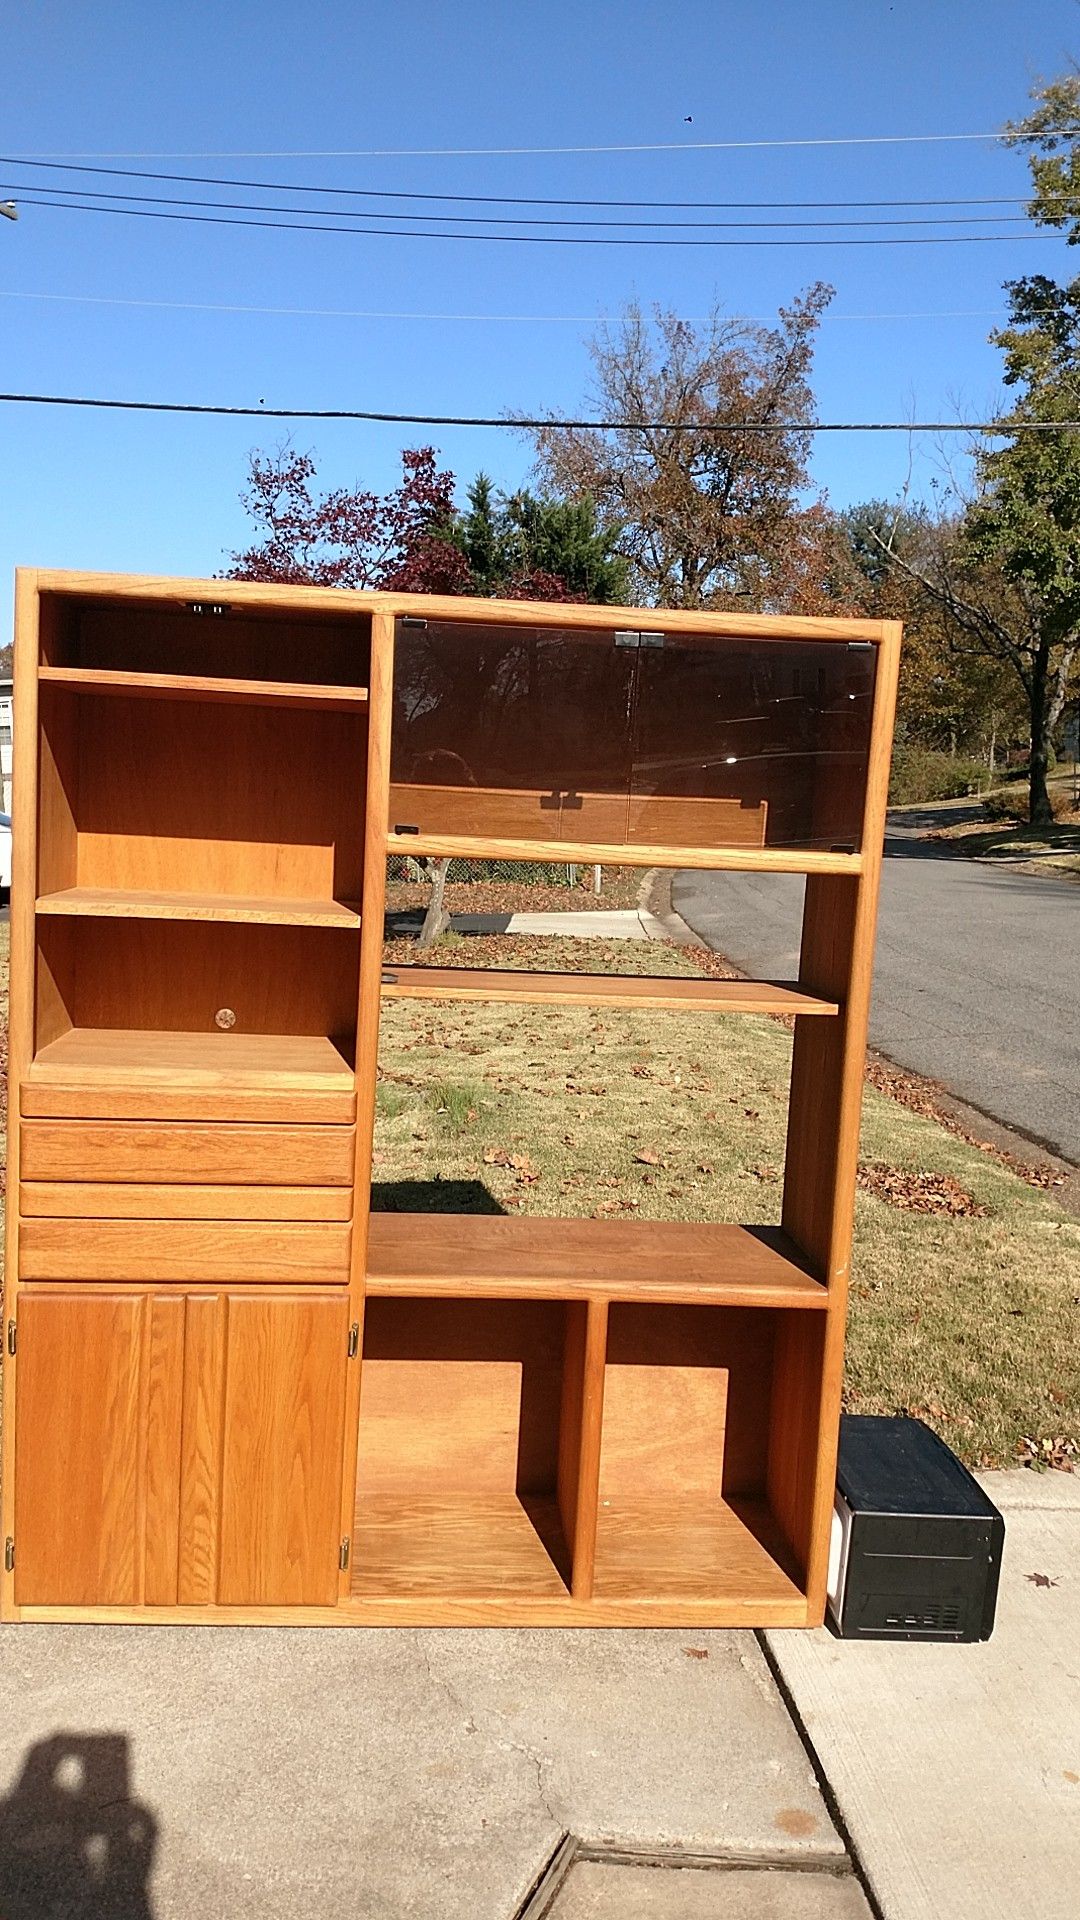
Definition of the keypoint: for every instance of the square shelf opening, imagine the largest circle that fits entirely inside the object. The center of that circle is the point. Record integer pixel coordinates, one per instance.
(709, 1429)
(462, 1416)
(139, 1017)
(238, 802)
(211, 637)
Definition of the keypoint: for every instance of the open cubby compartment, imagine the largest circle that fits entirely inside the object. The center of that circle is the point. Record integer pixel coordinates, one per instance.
(213, 637)
(155, 1012)
(244, 802)
(708, 1445)
(468, 1452)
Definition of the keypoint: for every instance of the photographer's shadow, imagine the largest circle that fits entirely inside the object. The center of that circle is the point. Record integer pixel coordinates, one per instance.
(74, 1845)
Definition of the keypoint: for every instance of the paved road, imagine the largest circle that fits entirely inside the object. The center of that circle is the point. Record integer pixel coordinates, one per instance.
(977, 979)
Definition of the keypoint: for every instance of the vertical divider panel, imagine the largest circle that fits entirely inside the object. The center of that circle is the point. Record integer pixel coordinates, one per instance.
(21, 1015)
(580, 1421)
(839, 924)
(372, 916)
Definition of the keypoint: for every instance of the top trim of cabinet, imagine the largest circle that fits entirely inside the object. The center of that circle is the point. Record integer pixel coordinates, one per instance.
(113, 586)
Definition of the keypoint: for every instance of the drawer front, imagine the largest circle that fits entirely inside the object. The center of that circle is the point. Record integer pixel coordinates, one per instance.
(119, 1200)
(147, 1151)
(224, 1252)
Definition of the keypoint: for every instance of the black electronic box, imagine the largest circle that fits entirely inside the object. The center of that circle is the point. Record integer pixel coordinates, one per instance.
(916, 1543)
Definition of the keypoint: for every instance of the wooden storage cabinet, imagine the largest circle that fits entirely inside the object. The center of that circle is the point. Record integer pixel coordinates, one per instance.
(178, 1448)
(231, 1392)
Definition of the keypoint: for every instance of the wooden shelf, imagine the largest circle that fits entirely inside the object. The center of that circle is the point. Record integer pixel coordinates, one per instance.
(696, 1550)
(115, 1072)
(480, 985)
(175, 686)
(623, 854)
(470, 1544)
(505, 1256)
(130, 903)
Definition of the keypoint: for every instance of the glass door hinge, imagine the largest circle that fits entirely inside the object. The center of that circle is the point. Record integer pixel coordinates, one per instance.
(414, 620)
(343, 1556)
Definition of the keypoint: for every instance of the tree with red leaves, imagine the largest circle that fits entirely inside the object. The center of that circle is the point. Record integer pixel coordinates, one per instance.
(352, 537)
(415, 540)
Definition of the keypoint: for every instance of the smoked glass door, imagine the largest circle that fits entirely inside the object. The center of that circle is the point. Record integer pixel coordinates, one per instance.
(750, 743)
(511, 733)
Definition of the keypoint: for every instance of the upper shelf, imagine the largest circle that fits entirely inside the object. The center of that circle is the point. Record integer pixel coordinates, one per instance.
(178, 686)
(130, 903)
(600, 990)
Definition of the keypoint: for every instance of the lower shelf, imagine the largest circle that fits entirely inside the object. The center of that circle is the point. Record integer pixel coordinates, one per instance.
(471, 1545)
(721, 1558)
(701, 1550)
(120, 1072)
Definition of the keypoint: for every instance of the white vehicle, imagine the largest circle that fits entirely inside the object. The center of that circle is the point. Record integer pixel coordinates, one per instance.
(5, 858)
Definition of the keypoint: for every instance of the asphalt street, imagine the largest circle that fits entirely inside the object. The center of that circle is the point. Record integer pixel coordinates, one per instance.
(977, 973)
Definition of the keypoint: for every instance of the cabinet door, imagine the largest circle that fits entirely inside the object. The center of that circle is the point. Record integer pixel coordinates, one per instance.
(747, 743)
(178, 1449)
(97, 1448)
(283, 1450)
(511, 733)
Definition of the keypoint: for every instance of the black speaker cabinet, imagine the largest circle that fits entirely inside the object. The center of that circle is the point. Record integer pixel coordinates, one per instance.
(916, 1543)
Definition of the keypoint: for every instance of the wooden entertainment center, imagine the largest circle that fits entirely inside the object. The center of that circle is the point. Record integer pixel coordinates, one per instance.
(232, 1392)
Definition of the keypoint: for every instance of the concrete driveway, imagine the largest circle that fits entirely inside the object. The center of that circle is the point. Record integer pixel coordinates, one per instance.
(977, 980)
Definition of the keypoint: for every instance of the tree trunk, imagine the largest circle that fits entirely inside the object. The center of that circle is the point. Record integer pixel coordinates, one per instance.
(1040, 812)
(436, 919)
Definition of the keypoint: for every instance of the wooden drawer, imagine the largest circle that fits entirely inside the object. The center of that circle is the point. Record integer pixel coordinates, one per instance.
(148, 1151)
(120, 1200)
(222, 1251)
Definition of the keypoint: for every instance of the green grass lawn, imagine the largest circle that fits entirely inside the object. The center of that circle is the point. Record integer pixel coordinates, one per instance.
(966, 1280)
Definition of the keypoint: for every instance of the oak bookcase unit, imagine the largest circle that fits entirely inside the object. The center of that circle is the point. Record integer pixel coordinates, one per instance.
(235, 1393)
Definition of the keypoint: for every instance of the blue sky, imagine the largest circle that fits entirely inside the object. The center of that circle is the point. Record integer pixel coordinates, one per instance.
(160, 494)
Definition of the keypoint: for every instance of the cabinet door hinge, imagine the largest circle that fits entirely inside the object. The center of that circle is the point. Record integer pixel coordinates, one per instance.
(354, 1339)
(415, 621)
(343, 1556)
(631, 637)
(9, 1555)
(12, 1337)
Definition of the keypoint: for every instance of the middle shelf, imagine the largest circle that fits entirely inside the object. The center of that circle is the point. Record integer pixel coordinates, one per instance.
(506, 1256)
(601, 990)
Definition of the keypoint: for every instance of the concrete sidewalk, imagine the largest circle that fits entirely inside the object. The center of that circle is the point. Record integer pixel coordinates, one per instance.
(957, 1769)
(616, 923)
(395, 1775)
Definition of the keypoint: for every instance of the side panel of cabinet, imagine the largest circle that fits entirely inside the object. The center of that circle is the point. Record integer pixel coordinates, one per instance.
(97, 1448)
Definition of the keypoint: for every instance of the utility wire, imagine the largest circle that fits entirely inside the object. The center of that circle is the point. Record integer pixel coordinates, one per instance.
(1000, 429)
(481, 153)
(529, 239)
(498, 220)
(531, 319)
(510, 200)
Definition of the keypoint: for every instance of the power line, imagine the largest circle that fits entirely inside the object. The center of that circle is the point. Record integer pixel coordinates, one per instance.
(511, 200)
(499, 220)
(483, 153)
(529, 239)
(999, 429)
(563, 319)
